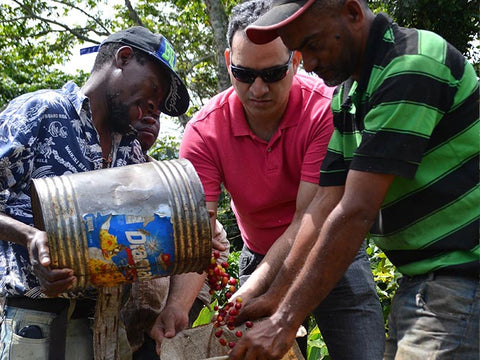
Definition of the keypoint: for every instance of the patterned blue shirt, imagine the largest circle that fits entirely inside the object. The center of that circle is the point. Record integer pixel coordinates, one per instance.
(46, 133)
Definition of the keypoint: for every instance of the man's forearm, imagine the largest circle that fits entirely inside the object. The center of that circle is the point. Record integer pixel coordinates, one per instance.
(15, 231)
(184, 288)
(309, 226)
(331, 255)
(339, 240)
(264, 275)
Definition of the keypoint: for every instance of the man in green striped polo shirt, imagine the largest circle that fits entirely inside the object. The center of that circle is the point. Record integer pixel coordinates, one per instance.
(402, 164)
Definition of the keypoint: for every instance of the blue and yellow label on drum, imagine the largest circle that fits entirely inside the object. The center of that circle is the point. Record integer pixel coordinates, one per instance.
(126, 248)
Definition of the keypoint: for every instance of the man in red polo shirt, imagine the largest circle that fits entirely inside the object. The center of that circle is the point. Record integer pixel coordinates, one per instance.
(264, 139)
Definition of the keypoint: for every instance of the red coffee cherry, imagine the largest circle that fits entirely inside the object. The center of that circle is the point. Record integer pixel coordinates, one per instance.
(220, 280)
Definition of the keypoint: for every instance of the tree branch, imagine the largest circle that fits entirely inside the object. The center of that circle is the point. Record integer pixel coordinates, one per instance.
(99, 23)
(133, 14)
(77, 32)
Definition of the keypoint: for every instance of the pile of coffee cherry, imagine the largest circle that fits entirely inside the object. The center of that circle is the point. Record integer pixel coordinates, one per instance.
(219, 280)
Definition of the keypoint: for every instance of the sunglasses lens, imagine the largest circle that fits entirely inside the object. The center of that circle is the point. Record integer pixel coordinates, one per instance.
(274, 75)
(243, 75)
(269, 75)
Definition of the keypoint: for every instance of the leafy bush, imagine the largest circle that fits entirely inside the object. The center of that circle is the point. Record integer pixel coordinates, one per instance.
(165, 148)
(385, 276)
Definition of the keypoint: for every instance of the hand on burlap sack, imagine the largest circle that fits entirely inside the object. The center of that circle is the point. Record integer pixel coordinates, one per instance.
(202, 343)
(254, 308)
(268, 340)
(172, 319)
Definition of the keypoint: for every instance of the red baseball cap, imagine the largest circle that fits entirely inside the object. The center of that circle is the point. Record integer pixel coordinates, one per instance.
(281, 13)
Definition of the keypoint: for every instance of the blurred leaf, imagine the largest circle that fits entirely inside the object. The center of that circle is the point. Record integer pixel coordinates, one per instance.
(205, 315)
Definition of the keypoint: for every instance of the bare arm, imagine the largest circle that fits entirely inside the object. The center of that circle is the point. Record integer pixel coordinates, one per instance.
(174, 316)
(266, 271)
(20, 233)
(339, 240)
(283, 261)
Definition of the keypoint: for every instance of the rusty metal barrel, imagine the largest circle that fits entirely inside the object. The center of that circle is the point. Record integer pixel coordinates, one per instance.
(123, 224)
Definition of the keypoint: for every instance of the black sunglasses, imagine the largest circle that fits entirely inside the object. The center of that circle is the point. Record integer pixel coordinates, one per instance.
(270, 75)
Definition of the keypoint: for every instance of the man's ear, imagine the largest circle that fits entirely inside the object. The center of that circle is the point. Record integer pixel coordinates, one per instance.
(296, 59)
(227, 57)
(123, 56)
(354, 12)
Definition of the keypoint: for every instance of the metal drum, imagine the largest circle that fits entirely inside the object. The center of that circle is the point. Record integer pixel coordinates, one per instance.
(123, 224)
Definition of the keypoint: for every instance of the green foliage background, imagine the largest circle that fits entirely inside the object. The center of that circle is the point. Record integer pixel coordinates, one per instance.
(37, 37)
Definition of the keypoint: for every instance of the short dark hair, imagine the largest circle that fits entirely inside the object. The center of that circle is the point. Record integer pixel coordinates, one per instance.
(107, 53)
(244, 14)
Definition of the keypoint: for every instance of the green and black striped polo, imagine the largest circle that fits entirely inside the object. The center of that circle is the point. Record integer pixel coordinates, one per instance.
(415, 114)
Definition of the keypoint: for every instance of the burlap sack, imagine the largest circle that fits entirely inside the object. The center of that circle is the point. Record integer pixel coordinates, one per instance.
(200, 343)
